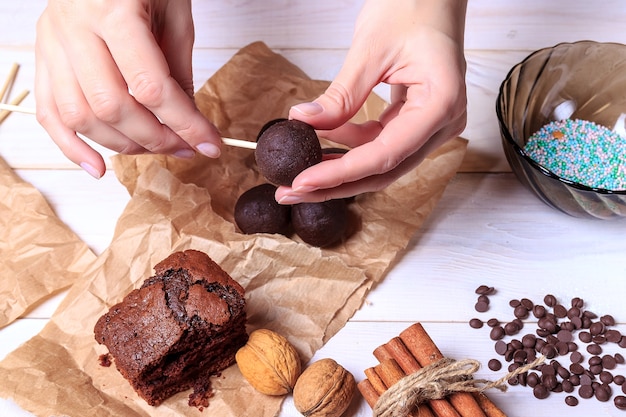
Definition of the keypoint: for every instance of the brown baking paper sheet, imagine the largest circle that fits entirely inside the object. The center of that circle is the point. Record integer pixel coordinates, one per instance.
(39, 254)
(302, 292)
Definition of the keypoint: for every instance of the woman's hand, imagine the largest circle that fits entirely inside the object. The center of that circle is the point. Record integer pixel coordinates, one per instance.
(416, 46)
(119, 73)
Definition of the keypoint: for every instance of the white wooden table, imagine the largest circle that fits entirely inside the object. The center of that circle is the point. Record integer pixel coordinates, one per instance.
(487, 229)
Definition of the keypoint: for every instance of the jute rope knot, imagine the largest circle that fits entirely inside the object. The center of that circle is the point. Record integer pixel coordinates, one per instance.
(436, 381)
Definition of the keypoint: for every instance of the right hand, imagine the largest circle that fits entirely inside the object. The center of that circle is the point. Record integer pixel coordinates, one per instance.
(119, 73)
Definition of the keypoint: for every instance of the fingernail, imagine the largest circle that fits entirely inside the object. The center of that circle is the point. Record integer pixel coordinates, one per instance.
(290, 199)
(308, 109)
(184, 154)
(90, 170)
(209, 149)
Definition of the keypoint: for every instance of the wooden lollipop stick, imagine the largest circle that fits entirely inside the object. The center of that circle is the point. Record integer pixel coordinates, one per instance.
(15, 108)
(239, 143)
(5, 109)
(9, 81)
(15, 103)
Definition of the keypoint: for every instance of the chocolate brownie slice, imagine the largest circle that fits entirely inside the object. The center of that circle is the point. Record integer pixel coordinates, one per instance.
(183, 325)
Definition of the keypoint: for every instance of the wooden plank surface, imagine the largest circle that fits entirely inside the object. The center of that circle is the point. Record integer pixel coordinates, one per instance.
(487, 228)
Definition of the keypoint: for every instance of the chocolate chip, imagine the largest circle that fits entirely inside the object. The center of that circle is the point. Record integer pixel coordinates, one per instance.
(529, 340)
(594, 349)
(597, 328)
(520, 356)
(613, 336)
(501, 347)
(607, 320)
(606, 377)
(603, 393)
(520, 312)
(476, 323)
(595, 360)
(549, 300)
(563, 372)
(585, 379)
(485, 290)
(497, 333)
(511, 328)
(585, 391)
(619, 358)
(564, 336)
(578, 302)
(493, 322)
(481, 307)
(576, 369)
(494, 364)
(590, 314)
(620, 402)
(571, 401)
(560, 311)
(619, 379)
(576, 357)
(622, 342)
(541, 392)
(515, 303)
(539, 311)
(595, 369)
(609, 362)
(585, 337)
(527, 303)
(574, 312)
(567, 386)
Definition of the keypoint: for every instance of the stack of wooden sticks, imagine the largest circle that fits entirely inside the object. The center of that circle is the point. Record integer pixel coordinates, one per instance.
(407, 354)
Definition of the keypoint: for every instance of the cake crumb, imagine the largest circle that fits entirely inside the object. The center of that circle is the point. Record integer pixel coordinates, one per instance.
(105, 360)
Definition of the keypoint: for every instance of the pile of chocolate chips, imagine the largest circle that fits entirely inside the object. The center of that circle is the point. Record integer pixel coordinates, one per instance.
(559, 329)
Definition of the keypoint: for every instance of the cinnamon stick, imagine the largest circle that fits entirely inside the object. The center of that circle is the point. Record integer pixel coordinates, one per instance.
(375, 380)
(389, 372)
(424, 350)
(490, 409)
(396, 349)
(368, 392)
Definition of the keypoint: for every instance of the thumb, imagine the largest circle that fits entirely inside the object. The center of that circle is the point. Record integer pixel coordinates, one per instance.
(342, 99)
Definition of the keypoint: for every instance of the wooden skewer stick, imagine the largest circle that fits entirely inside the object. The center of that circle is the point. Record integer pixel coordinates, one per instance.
(15, 102)
(9, 81)
(239, 143)
(13, 107)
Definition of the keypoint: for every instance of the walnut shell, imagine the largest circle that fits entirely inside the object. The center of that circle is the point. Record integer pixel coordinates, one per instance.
(325, 389)
(269, 362)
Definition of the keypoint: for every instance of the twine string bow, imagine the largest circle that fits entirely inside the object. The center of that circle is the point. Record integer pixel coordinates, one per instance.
(436, 381)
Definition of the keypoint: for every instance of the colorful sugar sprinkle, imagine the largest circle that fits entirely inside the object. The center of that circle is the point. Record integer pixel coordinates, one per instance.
(581, 151)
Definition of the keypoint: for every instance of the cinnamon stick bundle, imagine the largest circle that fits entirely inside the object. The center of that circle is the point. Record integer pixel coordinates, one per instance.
(407, 354)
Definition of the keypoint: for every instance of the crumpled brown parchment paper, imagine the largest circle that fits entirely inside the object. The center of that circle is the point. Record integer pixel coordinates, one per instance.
(304, 293)
(39, 254)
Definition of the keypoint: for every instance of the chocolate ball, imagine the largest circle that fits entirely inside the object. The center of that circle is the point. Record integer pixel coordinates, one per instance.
(257, 211)
(320, 224)
(285, 149)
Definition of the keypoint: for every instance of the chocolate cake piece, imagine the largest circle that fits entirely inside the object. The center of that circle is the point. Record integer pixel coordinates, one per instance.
(183, 325)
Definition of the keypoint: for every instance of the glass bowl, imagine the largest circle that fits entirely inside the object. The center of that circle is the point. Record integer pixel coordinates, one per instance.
(581, 80)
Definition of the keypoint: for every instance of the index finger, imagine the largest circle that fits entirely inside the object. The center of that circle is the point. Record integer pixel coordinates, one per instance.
(146, 71)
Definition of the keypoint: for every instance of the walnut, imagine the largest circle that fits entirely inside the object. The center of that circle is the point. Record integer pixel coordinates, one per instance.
(325, 389)
(269, 362)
